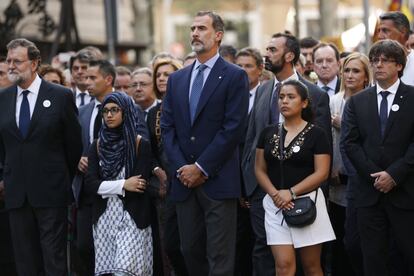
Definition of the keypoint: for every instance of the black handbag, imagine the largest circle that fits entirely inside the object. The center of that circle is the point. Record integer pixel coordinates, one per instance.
(303, 212)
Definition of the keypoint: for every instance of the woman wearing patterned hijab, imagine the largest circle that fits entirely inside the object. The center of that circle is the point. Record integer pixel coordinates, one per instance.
(119, 164)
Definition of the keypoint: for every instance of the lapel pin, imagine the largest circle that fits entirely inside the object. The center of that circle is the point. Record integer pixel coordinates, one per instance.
(219, 77)
(46, 103)
(395, 107)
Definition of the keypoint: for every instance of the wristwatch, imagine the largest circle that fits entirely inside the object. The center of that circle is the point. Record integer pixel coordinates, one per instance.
(292, 193)
(155, 169)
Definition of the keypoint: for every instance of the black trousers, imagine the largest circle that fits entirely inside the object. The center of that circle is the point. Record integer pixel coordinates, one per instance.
(262, 258)
(244, 243)
(7, 265)
(208, 233)
(85, 259)
(39, 238)
(379, 223)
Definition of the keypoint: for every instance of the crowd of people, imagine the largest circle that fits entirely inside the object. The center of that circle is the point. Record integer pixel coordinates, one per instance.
(201, 166)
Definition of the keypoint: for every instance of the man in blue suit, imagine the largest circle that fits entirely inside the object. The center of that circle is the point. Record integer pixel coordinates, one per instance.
(204, 115)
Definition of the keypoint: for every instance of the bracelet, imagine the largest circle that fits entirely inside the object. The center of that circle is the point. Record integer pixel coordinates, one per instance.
(292, 193)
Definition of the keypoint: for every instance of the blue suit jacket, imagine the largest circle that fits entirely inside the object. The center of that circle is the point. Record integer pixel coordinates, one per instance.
(213, 138)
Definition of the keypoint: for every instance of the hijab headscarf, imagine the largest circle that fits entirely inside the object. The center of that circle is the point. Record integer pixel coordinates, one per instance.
(117, 146)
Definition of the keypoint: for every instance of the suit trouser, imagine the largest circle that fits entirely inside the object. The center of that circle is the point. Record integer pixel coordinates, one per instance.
(263, 261)
(352, 240)
(7, 265)
(340, 261)
(376, 225)
(244, 243)
(39, 238)
(208, 233)
(84, 241)
(172, 238)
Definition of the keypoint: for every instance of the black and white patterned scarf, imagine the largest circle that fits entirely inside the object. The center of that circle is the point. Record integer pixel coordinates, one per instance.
(117, 146)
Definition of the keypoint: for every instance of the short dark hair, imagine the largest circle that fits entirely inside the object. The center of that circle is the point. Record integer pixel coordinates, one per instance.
(300, 87)
(308, 42)
(33, 52)
(400, 21)
(291, 45)
(82, 56)
(105, 68)
(390, 49)
(322, 45)
(228, 50)
(218, 23)
(251, 52)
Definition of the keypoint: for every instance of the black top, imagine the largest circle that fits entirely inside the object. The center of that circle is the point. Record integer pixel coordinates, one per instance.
(138, 205)
(299, 162)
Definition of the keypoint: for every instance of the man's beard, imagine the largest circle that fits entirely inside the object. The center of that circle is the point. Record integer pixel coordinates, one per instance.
(274, 67)
(16, 78)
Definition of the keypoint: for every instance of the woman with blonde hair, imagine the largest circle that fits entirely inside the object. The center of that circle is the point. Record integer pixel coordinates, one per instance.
(356, 76)
(170, 241)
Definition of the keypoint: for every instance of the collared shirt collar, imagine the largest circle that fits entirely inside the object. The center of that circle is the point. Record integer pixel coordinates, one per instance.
(392, 89)
(254, 89)
(78, 92)
(154, 103)
(33, 88)
(294, 76)
(331, 84)
(209, 63)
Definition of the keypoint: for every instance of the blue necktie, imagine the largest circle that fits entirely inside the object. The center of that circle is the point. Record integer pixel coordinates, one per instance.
(274, 105)
(82, 95)
(24, 117)
(384, 111)
(326, 88)
(196, 90)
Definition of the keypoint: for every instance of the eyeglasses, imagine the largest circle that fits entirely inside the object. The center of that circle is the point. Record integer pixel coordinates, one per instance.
(16, 61)
(384, 61)
(139, 84)
(113, 110)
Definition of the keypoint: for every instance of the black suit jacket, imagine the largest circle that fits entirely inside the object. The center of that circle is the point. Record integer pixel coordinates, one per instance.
(370, 153)
(138, 205)
(40, 167)
(259, 119)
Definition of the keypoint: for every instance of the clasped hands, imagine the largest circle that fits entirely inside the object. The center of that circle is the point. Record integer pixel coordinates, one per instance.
(282, 199)
(383, 182)
(191, 176)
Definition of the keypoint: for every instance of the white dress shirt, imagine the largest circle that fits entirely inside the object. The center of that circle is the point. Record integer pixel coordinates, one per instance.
(31, 97)
(331, 85)
(209, 63)
(390, 98)
(252, 94)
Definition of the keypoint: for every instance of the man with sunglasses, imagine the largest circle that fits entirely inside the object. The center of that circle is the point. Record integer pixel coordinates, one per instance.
(40, 145)
(377, 135)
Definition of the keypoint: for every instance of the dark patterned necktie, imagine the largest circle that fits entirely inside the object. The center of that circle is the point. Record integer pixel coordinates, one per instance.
(383, 111)
(98, 122)
(82, 96)
(24, 117)
(196, 90)
(274, 105)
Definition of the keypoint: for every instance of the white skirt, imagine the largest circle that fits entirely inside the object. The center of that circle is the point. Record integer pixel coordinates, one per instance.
(278, 233)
